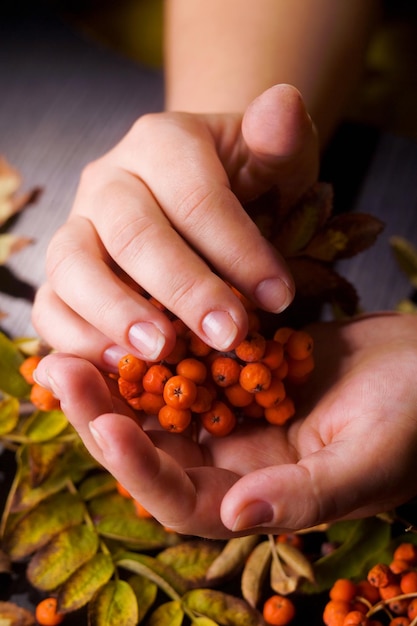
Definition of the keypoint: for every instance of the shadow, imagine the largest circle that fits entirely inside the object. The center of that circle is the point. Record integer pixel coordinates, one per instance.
(13, 286)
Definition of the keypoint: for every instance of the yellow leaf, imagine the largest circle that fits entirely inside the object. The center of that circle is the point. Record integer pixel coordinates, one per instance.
(114, 605)
(81, 586)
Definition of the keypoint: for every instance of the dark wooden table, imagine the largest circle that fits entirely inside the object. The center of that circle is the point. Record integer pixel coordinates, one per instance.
(64, 101)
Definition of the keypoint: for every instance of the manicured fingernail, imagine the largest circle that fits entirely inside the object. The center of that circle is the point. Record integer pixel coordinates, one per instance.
(220, 329)
(112, 356)
(257, 513)
(147, 339)
(274, 295)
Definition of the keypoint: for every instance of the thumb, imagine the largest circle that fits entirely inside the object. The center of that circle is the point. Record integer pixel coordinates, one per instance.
(282, 144)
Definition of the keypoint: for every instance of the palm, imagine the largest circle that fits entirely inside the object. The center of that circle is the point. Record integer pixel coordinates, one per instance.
(349, 452)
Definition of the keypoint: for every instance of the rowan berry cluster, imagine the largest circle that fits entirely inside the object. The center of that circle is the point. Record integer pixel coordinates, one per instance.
(389, 590)
(196, 382)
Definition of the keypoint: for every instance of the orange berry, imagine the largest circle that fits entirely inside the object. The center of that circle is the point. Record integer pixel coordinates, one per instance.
(225, 371)
(343, 589)
(151, 403)
(196, 345)
(355, 618)
(412, 609)
(367, 591)
(398, 566)
(203, 400)
(408, 582)
(122, 490)
(278, 610)
(281, 372)
(406, 552)
(280, 413)
(129, 389)
(299, 345)
(335, 612)
(140, 510)
(380, 575)
(400, 620)
(43, 399)
(47, 614)
(192, 368)
(174, 419)
(180, 392)
(219, 420)
(131, 368)
(253, 410)
(252, 348)
(155, 378)
(271, 396)
(300, 369)
(28, 366)
(237, 396)
(248, 304)
(291, 539)
(178, 352)
(283, 334)
(255, 377)
(274, 354)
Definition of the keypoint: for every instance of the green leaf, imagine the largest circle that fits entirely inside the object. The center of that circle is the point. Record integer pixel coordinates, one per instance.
(114, 605)
(167, 579)
(168, 614)
(98, 484)
(9, 415)
(143, 534)
(110, 505)
(225, 609)
(406, 257)
(81, 586)
(232, 558)
(145, 591)
(365, 543)
(53, 564)
(191, 559)
(203, 621)
(45, 425)
(39, 525)
(255, 572)
(11, 381)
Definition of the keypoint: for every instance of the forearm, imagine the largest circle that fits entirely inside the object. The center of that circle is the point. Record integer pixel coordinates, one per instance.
(220, 54)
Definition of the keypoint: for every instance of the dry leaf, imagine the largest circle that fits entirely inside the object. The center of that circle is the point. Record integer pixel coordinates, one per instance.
(232, 557)
(10, 244)
(13, 615)
(295, 562)
(254, 573)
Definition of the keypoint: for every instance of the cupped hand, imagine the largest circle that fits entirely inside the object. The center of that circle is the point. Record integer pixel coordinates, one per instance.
(351, 452)
(162, 214)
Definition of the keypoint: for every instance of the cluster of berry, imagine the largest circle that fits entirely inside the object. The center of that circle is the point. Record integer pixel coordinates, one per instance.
(196, 381)
(389, 588)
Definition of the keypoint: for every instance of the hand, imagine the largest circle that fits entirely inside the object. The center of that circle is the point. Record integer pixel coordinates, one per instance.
(351, 452)
(162, 212)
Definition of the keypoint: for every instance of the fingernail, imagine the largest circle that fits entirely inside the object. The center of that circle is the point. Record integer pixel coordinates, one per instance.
(98, 438)
(112, 356)
(147, 339)
(274, 295)
(220, 329)
(257, 513)
(46, 381)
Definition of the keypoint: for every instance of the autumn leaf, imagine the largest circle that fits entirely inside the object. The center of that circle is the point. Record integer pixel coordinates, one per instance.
(191, 559)
(255, 572)
(81, 586)
(11, 381)
(43, 459)
(167, 614)
(143, 534)
(13, 615)
(223, 608)
(406, 257)
(232, 558)
(40, 524)
(145, 591)
(165, 576)
(53, 564)
(45, 425)
(9, 415)
(98, 484)
(115, 604)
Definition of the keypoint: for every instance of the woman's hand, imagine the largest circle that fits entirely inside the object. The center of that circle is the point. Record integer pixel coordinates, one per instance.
(162, 213)
(351, 452)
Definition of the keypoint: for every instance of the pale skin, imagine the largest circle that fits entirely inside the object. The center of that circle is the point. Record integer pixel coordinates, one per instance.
(162, 210)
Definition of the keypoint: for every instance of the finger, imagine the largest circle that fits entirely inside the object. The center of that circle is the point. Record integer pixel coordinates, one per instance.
(186, 501)
(191, 186)
(282, 145)
(335, 482)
